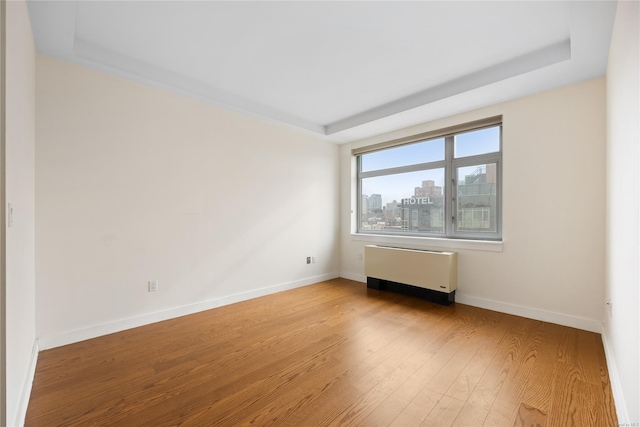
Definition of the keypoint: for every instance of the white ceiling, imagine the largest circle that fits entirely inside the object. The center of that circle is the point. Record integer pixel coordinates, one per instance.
(342, 70)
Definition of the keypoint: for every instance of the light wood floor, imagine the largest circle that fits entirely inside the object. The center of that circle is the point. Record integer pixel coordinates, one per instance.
(333, 353)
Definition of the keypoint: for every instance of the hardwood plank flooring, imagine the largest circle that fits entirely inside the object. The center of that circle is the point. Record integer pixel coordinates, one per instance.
(330, 354)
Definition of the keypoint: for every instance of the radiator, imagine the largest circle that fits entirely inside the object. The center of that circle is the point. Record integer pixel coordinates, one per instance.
(436, 271)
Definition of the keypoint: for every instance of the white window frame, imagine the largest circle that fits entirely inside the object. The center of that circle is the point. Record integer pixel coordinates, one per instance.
(450, 165)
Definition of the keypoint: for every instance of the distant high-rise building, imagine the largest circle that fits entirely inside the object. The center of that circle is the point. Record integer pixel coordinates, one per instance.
(476, 206)
(424, 211)
(392, 212)
(375, 202)
(364, 204)
(428, 189)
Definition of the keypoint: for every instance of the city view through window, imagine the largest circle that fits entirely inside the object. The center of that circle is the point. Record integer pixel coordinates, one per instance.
(414, 201)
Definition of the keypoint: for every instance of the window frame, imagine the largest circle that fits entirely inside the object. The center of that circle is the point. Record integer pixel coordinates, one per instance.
(450, 164)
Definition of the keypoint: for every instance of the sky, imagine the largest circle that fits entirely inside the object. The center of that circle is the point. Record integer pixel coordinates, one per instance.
(399, 186)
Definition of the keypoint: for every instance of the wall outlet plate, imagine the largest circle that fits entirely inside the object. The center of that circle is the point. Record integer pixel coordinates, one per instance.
(153, 285)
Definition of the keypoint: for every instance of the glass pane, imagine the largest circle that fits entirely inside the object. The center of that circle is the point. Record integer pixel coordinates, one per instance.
(420, 152)
(406, 202)
(477, 142)
(476, 201)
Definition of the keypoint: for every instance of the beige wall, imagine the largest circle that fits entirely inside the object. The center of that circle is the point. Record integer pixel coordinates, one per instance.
(621, 326)
(552, 261)
(134, 183)
(20, 246)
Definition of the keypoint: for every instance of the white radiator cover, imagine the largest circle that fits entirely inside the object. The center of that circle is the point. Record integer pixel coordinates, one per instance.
(433, 270)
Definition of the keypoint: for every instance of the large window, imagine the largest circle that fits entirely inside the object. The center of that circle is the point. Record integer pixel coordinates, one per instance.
(441, 184)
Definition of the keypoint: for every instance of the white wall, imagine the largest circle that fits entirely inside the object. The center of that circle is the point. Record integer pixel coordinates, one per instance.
(621, 326)
(20, 252)
(552, 261)
(134, 183)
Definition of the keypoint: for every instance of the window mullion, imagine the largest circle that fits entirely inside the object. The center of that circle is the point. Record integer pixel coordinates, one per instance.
(359, 194)
(402, 169)
(449, 188)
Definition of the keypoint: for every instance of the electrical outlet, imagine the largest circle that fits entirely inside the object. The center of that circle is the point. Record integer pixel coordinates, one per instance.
(359, 257)
(153, 285)
(610, 307)
(308, 260)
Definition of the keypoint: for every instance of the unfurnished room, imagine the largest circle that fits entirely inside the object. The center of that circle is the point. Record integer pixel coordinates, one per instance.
(315, 213)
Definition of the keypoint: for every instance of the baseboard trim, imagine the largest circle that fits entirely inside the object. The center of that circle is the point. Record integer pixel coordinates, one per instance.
(52, 341)
(256, 293)
(531, 313)
(25, 395)
(616, 385)
(352, 276)
(517, 310)
(70, 337)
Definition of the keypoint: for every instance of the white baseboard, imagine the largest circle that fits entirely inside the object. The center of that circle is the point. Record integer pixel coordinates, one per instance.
(70, 337)
(517, 310)
(616, 385)
(532, 313)
(78, 335)
(25, 395)
(255, 293)
(352, 276)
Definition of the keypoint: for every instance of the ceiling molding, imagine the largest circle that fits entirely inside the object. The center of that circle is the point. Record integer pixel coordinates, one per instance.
(153, 74)
(541, 58)
(323, 69)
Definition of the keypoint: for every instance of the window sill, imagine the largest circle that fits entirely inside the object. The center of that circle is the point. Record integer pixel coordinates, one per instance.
(430, 242)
